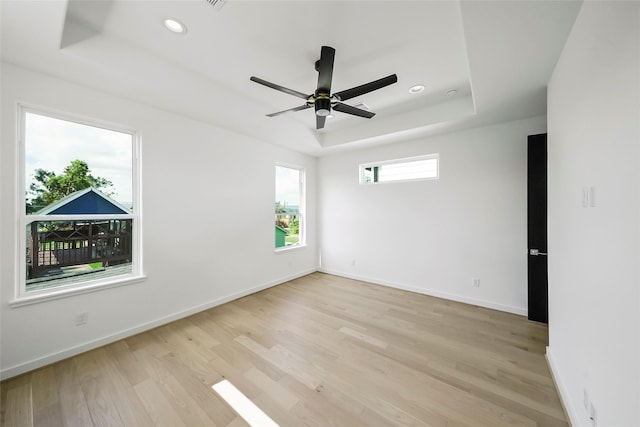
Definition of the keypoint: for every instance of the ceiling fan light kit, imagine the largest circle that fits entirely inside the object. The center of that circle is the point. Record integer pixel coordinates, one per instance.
(323, 105)
(322, 99)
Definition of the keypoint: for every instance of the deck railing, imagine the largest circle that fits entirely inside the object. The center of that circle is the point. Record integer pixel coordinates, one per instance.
(56, 244)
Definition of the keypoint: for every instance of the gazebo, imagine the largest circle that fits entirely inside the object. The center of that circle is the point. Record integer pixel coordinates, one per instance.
(57, 244)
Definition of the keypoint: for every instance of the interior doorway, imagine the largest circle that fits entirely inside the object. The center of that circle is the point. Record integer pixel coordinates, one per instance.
(537, 265)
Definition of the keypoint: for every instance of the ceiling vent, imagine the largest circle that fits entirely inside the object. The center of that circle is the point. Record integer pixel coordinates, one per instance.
(362, 106)
(217, 4)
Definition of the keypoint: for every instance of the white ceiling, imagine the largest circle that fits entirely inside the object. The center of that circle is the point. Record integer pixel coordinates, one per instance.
(497, 55)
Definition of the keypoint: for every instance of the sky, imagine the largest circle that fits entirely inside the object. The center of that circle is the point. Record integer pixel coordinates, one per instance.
(52, 144)
(288, 186)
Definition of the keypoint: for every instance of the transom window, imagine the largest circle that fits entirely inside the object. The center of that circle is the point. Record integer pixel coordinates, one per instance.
(289, 207)
(408, 169)
(80, 216)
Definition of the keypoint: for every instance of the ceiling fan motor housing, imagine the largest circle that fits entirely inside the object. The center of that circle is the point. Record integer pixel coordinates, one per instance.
(322, 104)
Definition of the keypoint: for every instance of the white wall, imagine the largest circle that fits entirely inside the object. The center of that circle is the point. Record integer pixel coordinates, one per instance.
(594, 252)
(434, 236)
(208, 199)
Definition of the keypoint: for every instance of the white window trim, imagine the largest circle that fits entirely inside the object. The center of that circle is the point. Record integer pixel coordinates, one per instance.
(22, 297)
(401, 160)
(302, 243)
(298, 246)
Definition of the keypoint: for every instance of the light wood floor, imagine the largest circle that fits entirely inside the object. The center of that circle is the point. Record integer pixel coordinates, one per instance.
(317, 351)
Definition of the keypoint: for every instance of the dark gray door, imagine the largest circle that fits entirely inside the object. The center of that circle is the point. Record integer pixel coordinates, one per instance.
(538, 294)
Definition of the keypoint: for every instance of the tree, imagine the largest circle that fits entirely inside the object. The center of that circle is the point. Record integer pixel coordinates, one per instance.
(294, 228)
(280, 213)
(280, 209)
(48, 187)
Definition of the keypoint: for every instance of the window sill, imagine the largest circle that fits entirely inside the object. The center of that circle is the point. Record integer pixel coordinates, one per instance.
(289, 248)
(64, 293)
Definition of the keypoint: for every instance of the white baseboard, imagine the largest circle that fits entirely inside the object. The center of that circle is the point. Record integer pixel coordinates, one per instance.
(569, 410)
(432, 292)
(70, 352)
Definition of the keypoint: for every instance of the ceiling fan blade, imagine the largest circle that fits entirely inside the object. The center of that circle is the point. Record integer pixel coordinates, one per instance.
(302, 107)
(280, 88)
(325, 69)
(344, 108)
(366, 88)
(320, 121)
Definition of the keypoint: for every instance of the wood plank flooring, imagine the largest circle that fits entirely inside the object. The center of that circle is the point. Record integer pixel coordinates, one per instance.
(317, 351)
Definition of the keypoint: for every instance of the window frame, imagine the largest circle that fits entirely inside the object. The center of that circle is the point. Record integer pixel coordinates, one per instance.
(364, 166)
(302, 240)
(22, 295)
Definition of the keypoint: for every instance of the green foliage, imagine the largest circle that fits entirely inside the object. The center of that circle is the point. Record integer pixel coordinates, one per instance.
(48, 187)
(294, 227)
(280, 211)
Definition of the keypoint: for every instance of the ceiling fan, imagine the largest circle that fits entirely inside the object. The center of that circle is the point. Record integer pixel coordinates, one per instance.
(322, 99)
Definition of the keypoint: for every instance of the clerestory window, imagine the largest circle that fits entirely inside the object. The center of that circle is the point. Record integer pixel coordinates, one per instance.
(407, 169)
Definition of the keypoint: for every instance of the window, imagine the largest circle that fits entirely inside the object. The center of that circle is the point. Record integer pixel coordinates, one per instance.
(409, 169)
(289, 207)
(79, 208)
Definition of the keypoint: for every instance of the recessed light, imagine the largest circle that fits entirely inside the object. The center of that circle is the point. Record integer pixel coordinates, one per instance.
(416, 89)
(451, 92)
(175, 26)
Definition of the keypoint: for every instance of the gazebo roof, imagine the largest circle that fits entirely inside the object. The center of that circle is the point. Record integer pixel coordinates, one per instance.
(87, 201)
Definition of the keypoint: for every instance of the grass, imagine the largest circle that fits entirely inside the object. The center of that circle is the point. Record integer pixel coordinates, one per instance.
(95, 265)
(292, 238)
(49, 246)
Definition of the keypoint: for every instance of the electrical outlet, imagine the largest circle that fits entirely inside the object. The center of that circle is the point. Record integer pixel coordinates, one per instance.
(593, 417)
(82, 318)
(475, 282)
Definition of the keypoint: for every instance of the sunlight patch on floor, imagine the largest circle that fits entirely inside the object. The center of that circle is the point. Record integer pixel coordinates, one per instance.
(242, 405)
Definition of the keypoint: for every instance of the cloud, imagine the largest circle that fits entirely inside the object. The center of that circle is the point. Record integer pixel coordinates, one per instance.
(288, 185)
(52, 144)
